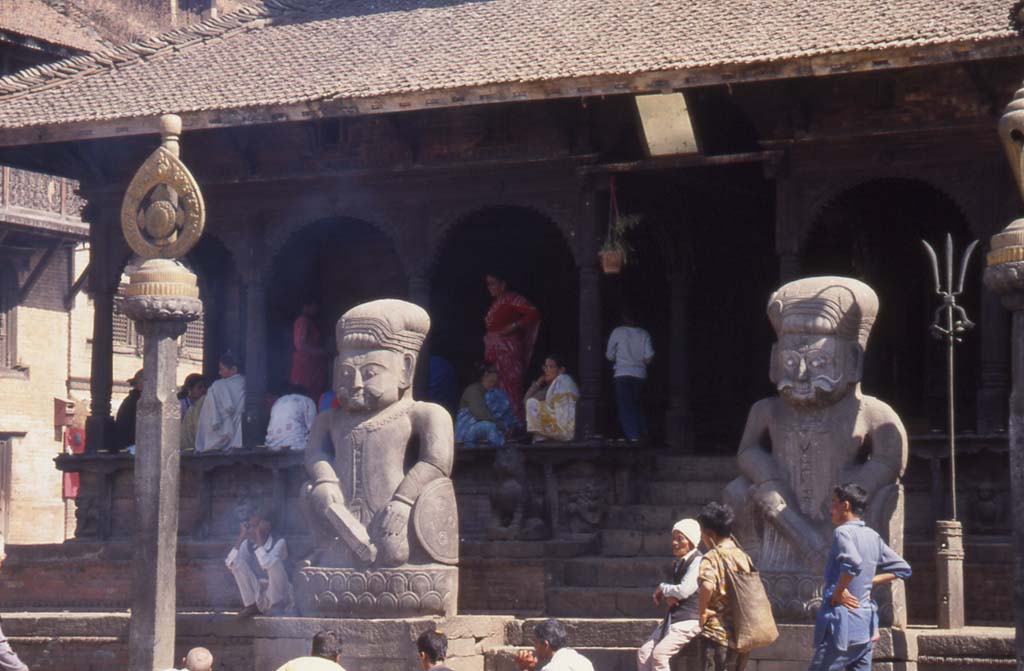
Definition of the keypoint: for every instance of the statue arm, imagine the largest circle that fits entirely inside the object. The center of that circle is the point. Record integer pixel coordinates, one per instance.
(755, 459)
(433, 425)
(319, 453)
(887, 451)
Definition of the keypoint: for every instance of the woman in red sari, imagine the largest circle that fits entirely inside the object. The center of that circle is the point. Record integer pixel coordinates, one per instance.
(309, 360)
(511, 323)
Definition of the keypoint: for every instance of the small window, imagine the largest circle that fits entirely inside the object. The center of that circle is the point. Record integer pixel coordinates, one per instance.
(8, 292)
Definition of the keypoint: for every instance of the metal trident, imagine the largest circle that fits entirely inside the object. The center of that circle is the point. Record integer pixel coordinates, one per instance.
(956, 324)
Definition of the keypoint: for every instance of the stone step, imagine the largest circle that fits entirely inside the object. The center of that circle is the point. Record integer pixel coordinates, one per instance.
(603, 659)
(692, 468)
(618, 572)
(644, 517)
(588, 632)
(636, 543)
(568, 545)
(680, 494)
(602, 602)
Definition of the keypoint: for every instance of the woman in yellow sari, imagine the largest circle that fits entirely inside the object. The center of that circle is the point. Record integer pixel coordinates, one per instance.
(551, 403)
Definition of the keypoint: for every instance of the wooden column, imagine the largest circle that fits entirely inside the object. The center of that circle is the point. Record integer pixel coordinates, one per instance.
(678, 419)
(591, 348)
(103, 280)
(419, 293)
(994, 378)
(788, 219)
(254, 426)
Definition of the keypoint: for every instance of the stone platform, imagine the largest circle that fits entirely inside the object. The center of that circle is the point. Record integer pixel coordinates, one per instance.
(97, 641)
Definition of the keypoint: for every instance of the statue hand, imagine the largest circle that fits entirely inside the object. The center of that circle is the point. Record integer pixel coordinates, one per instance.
(325, 494)
(768, 499)
(393, 533)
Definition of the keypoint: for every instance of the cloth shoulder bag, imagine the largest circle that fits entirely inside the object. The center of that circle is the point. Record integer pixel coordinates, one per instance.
(753, 622)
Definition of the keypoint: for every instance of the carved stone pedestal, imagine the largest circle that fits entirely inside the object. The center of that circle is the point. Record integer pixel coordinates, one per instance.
(404, 591)
(949, 568)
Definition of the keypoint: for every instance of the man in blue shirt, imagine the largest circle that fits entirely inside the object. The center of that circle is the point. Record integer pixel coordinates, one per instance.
(845, 630)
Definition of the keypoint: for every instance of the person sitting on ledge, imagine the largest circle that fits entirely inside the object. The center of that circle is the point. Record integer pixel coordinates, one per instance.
(124, 423)
(549, 648)
(325, 656)
(432, 648)
(680, 625)
(485, 411)
(551, 403)
(257, 561)
(220, 420)
(291, 417)
(193, 389)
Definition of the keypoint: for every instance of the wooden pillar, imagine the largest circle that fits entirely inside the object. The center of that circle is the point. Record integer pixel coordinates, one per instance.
(994, 379)
(788, 219)
(678, 420)
(254, 425)
(591, 348)
(419, 293)
(104, 277)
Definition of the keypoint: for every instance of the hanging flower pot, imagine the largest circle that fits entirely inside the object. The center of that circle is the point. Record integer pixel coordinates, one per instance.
(615, 250)
(612, 260)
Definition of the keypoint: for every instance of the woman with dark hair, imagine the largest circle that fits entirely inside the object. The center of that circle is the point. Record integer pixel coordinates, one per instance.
(551, 403)
(485, 411)
(193, 389)
(512, 323)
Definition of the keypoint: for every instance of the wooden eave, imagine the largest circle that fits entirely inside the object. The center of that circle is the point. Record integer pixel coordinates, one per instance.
(574, 87)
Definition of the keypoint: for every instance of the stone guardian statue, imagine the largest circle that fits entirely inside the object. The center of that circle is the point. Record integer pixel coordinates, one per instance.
(818, 432)
(380, 500)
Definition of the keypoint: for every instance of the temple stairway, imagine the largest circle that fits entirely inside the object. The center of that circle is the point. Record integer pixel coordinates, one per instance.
(634, 551)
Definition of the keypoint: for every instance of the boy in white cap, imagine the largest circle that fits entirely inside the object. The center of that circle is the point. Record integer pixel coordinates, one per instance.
(681, 624)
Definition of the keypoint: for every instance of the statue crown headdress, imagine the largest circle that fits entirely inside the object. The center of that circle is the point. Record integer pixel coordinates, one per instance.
(839, 306)
(388, 323)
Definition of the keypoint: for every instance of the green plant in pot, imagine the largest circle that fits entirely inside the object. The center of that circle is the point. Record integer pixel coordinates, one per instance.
(616, 250)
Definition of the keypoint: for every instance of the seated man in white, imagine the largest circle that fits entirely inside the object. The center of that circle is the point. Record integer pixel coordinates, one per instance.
(257, 561)
(220, 419)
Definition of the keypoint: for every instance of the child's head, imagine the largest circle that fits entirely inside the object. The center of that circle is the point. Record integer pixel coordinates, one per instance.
(432, 647)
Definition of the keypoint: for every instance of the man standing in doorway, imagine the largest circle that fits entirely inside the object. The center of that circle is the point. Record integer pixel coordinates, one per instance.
(630, 349)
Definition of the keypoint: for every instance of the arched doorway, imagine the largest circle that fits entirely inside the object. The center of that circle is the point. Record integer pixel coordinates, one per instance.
(215, 271)
(873, 232)
(338, 263)
(531, 253)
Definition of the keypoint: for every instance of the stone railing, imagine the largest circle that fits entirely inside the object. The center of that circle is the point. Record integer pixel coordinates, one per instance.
(558, 489)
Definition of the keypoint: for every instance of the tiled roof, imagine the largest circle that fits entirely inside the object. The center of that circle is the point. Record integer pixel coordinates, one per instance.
(292, 52)
(36, 19)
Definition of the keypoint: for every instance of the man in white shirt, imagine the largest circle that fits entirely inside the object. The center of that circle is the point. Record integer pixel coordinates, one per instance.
(291, 418)
(681, 624)
(630, 349)
(220, 419)
(549, 649)
(257, 561)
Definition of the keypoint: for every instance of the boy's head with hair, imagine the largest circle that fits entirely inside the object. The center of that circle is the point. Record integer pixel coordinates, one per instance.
(432, 647)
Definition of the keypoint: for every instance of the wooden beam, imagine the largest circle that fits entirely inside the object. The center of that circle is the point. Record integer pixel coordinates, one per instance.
(821, 65)
(76, 287)
(37, 271)
(680, 161)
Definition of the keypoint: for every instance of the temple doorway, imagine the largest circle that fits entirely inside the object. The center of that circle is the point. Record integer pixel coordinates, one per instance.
(215, 271)
(873, 232)
(532, 254)
(337, 263)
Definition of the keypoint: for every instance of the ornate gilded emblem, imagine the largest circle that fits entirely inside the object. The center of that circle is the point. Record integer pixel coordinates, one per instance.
(163, 211)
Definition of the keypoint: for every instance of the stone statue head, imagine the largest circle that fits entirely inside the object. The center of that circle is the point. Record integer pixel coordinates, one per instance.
(822, 325)
(378, 343)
